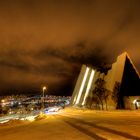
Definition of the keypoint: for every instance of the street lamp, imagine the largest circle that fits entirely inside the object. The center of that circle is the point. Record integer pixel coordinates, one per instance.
(44, 88)
(3, 101)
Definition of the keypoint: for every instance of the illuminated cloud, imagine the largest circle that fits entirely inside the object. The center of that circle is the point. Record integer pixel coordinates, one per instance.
(45, 42)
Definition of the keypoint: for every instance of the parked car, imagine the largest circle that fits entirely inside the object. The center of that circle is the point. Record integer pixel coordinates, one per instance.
(53, 109)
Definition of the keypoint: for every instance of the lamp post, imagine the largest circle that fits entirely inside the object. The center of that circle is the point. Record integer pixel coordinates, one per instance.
(44, 88)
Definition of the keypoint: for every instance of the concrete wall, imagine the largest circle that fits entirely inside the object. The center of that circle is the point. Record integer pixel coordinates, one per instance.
(115, 74)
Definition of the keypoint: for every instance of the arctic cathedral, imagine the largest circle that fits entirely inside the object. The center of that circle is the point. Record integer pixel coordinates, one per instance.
(122, 73)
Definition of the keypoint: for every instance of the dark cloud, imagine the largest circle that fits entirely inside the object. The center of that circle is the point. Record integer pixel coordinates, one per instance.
(45, 42)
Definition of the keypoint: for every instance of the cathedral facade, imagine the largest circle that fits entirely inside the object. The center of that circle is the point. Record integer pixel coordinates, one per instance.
(122, 82)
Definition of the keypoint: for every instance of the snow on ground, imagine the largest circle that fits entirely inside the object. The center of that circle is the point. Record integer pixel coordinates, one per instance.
(76, 124)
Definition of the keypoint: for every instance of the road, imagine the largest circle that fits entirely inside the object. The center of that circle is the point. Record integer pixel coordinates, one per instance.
(77, 125)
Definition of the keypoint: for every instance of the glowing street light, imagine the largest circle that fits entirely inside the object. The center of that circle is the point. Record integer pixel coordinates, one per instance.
(44, 88)
(2, 101)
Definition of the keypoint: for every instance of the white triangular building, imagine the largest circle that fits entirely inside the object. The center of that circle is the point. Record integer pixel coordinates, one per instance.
(122, 71)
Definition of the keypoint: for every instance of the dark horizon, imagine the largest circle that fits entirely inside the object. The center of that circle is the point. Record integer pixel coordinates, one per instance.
(44, 43)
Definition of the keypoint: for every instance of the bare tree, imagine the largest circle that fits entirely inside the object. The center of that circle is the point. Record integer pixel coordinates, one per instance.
(100, 92)
(116, 93)
(105, 97)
